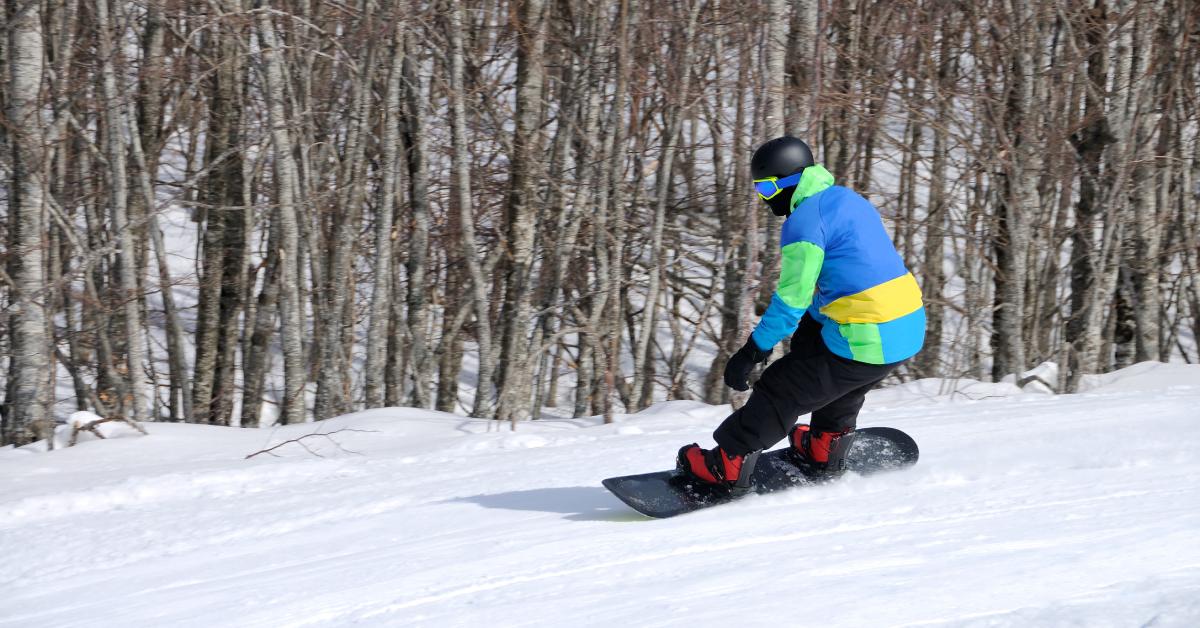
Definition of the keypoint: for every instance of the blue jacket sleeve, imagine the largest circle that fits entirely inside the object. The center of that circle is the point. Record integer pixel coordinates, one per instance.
(777, 323)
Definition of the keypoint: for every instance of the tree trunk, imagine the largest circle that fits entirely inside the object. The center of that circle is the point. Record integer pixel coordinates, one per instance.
(421, 358)
(177, 361)
(1120, 112)
(515, 389)
(774, 125)
(1147, 231)
(385, 232)
(291, 312)
(804, 71)
(135, 345)
(333, 373)
(257, 357)
(609, 183)
(1021, 200)
(484, 392)
(1090, 143)
(28, 395)
(933, 276)
(147, 145)
(746, 285)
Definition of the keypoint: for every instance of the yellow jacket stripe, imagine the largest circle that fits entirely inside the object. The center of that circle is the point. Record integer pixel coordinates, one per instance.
(885, 302)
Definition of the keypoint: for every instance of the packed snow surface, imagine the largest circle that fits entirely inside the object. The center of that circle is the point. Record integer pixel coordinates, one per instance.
(1025, 510)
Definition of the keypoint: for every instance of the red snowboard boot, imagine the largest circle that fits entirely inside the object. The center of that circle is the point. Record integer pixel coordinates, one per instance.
(710, 465)
(819, 454)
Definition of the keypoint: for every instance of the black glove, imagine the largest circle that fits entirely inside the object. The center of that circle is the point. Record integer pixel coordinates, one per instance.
(737, 369)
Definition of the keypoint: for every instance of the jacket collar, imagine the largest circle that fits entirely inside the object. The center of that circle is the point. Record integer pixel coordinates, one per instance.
(816, 179)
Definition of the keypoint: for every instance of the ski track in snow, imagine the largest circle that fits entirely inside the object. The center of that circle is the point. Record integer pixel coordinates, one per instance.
(1025, 510)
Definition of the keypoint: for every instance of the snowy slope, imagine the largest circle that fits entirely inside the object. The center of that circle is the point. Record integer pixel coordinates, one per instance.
(1025, 509)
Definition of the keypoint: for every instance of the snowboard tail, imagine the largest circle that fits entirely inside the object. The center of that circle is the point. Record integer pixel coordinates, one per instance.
(664, 494)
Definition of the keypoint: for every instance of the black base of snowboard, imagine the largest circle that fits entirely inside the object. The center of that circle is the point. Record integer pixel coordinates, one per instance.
(668, 493)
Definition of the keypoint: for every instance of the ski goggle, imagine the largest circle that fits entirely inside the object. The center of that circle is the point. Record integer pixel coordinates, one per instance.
(770, 187)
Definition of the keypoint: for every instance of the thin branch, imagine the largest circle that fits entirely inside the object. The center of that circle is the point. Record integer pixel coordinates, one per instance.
(300, 441)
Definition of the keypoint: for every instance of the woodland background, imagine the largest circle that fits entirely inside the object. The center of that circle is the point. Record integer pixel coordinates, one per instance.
(495, 207)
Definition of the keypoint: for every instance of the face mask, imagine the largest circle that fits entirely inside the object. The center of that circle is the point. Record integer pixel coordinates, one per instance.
(781, 204)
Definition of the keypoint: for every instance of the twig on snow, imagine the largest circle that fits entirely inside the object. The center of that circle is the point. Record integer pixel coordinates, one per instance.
(300, 441)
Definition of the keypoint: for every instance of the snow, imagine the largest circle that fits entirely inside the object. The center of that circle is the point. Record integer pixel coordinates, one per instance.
(1027, 509)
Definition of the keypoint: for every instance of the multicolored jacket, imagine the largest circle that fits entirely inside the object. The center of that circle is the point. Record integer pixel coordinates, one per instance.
(840, 265)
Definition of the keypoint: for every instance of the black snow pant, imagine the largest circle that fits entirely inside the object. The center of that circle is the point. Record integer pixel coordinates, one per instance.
(810, 378)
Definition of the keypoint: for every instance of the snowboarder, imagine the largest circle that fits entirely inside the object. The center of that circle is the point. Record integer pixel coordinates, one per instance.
(853, 309)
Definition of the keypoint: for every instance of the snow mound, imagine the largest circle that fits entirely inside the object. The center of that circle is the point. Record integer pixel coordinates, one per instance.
(1145, 377)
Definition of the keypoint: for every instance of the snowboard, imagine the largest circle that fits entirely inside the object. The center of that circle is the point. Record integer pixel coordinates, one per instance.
(663, 494)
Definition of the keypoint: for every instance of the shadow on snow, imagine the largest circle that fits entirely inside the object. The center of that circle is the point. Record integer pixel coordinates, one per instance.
(579, 503)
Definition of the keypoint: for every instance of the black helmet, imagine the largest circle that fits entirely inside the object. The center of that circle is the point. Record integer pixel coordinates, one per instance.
(780, 157)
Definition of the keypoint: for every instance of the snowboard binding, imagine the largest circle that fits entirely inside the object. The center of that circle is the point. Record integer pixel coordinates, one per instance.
(832, 468)
(707, 491)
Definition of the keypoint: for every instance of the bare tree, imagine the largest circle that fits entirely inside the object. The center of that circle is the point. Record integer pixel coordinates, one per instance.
(29, 391)
(224, 225)
(129, 281)
(515, 387)
(291, 310)
(484, 392)
(385, 232)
